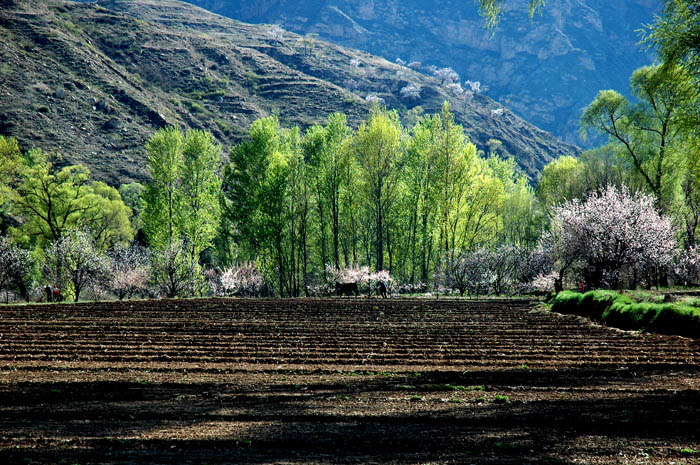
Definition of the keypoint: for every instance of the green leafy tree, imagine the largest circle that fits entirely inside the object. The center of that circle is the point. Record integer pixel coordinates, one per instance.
(182, 199)
(326, 150)
(132, 195)
(418, 199)
(257, 200)
(199, 190)
(109, 219)
(160, 214)
(377, 148)
(51, 201)
(10, 163)
(244, 180)
(675, 34)
(561, 180)
(645, 132)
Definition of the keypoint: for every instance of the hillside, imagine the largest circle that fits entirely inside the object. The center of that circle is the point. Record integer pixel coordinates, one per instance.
(546, 70)
(93, 81)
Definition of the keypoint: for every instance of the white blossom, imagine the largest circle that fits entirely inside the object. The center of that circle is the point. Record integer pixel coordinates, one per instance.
(446, 75)
(275, 32)
(372, 98)
(129, 271)
(411, 91)
(242, 280)
(475, 86)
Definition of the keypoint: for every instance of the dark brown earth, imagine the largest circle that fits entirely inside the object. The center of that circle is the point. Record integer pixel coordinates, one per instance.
(340, 381)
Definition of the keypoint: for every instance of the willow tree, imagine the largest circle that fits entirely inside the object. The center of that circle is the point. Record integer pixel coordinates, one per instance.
(645, 131)
(50, 201)
(492, 10)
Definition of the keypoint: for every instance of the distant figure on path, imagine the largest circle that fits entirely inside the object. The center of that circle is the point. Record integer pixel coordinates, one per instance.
(49, 292)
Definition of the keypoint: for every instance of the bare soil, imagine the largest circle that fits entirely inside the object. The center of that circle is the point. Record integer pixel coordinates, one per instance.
(339, 381)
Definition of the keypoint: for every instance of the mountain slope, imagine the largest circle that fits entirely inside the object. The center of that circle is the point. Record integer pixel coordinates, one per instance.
(93, 81)
(546, 69)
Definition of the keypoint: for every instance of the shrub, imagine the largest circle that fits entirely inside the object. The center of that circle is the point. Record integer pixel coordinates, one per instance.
(242, 280)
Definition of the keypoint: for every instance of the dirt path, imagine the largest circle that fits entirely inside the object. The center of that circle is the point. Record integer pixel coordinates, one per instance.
(339, 381)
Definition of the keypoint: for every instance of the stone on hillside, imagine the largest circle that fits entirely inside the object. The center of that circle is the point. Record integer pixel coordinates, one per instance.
(112, 124)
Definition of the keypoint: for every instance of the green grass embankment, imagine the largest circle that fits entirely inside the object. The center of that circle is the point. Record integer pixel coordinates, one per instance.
(621, 311)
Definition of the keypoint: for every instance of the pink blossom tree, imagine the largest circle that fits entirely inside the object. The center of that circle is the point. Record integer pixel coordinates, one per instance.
(241, 280)
(129, 271)
(76, 260)
(609, 234)
(15, 264)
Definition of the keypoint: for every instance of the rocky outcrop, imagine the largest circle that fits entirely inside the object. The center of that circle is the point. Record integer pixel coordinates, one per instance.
(547, 70)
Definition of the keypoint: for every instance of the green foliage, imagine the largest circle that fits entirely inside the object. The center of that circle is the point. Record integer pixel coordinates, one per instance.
(10, 163)
(623, 312)
(51, 201)
(645, 132)
(199, 189)
(224, 127)
(561, 180)
(377, 149)
(164, 152)
(675, 36)
(182, 199)
(381, 197)
(492, 10)
(194, 107)
(132, 195)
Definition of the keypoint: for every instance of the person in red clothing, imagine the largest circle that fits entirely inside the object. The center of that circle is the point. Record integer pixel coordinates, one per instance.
(581, 286)
(56, 294)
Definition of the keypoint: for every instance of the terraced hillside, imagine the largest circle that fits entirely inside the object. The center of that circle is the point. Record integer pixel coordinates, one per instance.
(339, 381)
(95, 80)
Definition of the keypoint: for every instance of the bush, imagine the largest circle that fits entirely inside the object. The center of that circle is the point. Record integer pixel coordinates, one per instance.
(242, 280)
(620, 311)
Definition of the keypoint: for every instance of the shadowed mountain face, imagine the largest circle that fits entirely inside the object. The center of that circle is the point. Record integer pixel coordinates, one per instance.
(95, 80)
(546, 70)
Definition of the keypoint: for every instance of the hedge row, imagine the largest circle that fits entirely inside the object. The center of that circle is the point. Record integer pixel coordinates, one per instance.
(614, 309)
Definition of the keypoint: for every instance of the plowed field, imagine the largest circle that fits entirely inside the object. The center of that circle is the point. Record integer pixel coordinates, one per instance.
(340, 381)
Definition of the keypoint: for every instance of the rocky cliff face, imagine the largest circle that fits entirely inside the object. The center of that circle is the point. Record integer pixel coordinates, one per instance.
(547, 70)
